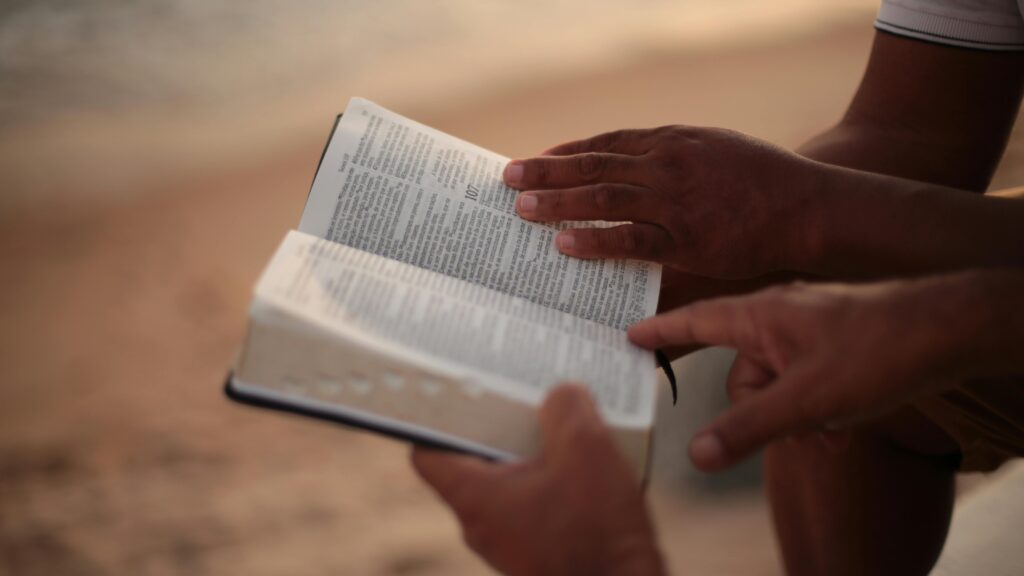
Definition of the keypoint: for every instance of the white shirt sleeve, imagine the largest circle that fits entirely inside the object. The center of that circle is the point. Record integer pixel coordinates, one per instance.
(981, 24)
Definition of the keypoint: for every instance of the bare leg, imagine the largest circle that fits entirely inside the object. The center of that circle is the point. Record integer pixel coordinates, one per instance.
(879, 506)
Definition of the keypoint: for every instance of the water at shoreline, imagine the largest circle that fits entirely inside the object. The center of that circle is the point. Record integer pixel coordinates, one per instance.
(102, 54)
(120, 89)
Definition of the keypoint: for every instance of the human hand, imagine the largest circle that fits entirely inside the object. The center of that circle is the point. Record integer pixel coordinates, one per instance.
(711, 202)
(818, 357)
(574, 509)
(681, 289)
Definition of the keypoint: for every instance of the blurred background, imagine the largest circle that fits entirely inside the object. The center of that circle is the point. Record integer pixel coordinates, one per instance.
(152, 155)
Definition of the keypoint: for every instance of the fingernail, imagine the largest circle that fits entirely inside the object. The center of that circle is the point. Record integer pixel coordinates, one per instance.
(527, 203)
(513, 173)
(565, 241)
(707, 449)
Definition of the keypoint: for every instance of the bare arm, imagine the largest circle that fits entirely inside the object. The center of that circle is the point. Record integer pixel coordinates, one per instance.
(870, 225)
(881, 193)
(926, 112)
(716, 203)
(933, 114)
(802, 350)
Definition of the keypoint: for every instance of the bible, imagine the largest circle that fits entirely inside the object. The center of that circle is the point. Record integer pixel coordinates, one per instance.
(413, 301)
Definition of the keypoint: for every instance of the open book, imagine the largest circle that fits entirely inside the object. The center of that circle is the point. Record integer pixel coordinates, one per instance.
(413, 301)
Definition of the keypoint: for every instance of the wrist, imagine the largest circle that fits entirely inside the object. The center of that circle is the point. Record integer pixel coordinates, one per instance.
(813, 241)
(869, 225)
(974, 322)
(805, 239)
(996, 346)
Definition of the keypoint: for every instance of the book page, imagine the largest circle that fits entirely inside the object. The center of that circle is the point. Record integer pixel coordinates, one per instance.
(507, 344)
(399, 189)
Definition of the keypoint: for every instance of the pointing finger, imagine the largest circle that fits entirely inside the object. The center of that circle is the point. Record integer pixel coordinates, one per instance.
(716, 322)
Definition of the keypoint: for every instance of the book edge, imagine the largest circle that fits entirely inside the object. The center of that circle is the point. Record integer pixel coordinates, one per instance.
(320, 163)
(261, 397)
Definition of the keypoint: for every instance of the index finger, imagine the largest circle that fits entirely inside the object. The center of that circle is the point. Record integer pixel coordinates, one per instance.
(719, 322)
(632, 142)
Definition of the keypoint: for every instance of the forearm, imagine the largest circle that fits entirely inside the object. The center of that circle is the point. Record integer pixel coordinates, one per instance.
(976, 323)
(1002, 344)
(869, 225)
(940, 117)
(926, 112)
(895, 151)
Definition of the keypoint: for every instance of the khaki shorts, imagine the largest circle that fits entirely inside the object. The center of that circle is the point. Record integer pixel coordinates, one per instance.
(986, 418)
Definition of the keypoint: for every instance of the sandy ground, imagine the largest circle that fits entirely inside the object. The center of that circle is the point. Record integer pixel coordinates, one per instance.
(118, 453)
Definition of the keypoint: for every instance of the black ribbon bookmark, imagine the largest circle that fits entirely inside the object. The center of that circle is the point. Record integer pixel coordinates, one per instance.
(666, 365)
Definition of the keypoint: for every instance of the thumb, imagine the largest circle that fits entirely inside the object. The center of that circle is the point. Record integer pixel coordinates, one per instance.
(783, 408)
(571, 425)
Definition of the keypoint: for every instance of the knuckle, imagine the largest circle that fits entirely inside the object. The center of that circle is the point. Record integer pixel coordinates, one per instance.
(608, 140)
(667, 131)
(552, 202)
(590, 166)
(541, 171)
(674, 146)
(725, 134)
(676, 132)
(607, 197)
(617, 240)
(632, 241)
